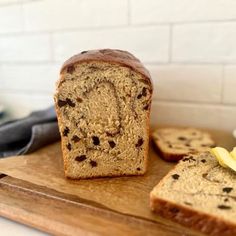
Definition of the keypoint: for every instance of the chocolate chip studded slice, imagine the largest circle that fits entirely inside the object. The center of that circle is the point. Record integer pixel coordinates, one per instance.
(175, 143)
(202, 192)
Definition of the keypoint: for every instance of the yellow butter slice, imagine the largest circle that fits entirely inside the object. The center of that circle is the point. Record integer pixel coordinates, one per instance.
(233, 153)
(224, 158)
(218, 155)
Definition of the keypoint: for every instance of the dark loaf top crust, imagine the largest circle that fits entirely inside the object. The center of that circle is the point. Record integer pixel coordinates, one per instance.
(121, 57)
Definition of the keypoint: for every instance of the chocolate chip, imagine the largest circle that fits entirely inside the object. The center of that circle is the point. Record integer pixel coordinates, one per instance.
(190, 158)
(78, 99)
(204, 145)
(61, 103)
(75, 138)
(139, 143)
(66, 131)
(112, 144)
(138, 169)
(203, 161)
(68, 146)
(93, 68)
(187, 145)
(81, 158)
(170, 146)
(182, 138)
(83, 52)
(175, 176)
(70, 69)
(174, 210)
(226, 200)
(144, 92)
(139, 96)
(70, 103)
(110, 134)
(227, 189)
(224, 207)
(188, 203)
(93, 163)
(96, 140)
(146, 107)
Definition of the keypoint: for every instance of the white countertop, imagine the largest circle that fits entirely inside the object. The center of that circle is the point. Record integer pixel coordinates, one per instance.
(12, 228)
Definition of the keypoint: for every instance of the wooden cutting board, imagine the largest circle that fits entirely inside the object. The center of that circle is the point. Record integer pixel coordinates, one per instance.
(33, 191)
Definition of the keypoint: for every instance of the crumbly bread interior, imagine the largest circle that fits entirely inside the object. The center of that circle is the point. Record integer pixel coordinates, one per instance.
(200, 184)
(182, 141)
(103, 112)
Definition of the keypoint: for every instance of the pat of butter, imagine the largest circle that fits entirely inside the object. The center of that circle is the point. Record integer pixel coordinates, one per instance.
(233, 153)
(224, 157)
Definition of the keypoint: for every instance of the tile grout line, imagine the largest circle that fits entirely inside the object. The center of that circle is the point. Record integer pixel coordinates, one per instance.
(157, 63)
(52, 51)
(170, 43)
(193, 103)
(222, 84)
(129, 12)
(22, 16)
(104, 27)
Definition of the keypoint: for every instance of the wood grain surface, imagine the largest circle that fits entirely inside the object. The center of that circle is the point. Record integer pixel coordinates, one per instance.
(33, 191)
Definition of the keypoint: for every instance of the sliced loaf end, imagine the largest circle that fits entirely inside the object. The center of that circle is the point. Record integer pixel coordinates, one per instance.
(103, 112)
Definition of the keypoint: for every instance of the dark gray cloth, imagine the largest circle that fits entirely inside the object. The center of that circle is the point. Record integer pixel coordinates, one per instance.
(26, 135)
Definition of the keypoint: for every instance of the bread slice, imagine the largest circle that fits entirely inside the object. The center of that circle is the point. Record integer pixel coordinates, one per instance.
(200, 194)
(175, 143)
(103, 101)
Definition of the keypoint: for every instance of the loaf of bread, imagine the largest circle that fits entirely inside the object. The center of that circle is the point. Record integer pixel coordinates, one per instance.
(198, 193)
(175, 143)
(103, 101)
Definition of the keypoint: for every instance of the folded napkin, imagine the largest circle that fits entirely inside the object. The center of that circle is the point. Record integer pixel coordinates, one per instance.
(26, 135)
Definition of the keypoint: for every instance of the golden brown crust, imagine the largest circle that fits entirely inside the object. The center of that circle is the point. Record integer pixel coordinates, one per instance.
(186, 216)
(121, 57)
(106, 176)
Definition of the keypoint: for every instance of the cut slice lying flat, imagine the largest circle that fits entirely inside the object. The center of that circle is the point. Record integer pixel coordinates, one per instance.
(200, 194)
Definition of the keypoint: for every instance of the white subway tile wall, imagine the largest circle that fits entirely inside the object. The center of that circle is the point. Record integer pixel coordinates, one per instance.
(208, 42)
(229, 87)
(148, 43)
(188, 46)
